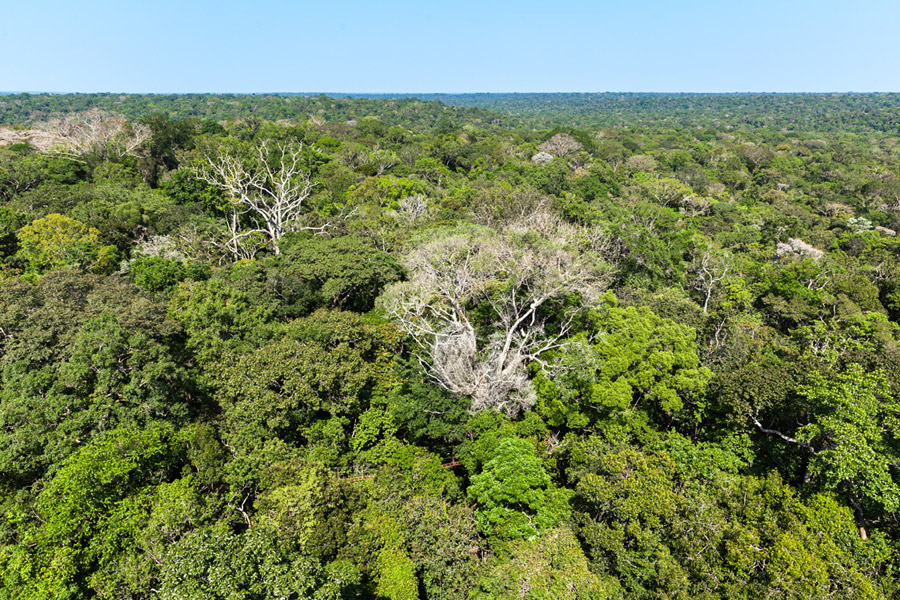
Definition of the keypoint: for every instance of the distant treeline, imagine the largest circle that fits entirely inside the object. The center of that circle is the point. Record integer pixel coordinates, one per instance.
(795, 112)
(858, 113)
(24, 109)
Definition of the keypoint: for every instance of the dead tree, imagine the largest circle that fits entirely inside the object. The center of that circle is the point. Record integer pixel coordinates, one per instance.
(710, 269)
(96, 135)
(511, 276)
(269, 191)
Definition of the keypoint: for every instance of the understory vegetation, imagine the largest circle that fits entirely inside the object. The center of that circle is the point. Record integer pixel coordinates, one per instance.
(336, 348)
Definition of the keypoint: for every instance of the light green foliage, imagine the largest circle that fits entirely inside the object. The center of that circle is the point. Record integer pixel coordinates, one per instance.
(305, 507)
(444, 545)
(392, 569)
(156, 273)
(550, 567)
(859, 224)
(141, 529)
(74, 507)
(485, 431)
(516, 496)
(212, 564)
(631, 486)
(796, 291)
(664, 191)
(628, 358)
(855, 428)
(413, 534)
(396, 573)
(855, 335)
(56, 241)
(686, 530)
(384, 191)
(631, 503)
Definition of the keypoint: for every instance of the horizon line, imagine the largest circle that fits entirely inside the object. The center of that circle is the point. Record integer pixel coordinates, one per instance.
(470, 93)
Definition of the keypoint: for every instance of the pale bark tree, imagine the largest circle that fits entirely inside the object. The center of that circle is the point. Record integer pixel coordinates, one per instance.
(412, 208)
(710, 268)
(269, 191)
(383, 160)
(98, 135)
(561, 145)
(641, 162)
(664, 191)
(512, 274)
(41, 139)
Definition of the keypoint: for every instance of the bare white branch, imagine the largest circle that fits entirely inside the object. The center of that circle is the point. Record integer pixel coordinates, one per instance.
(710, 268)
(96, 133)
(514, 273)
(270, 191)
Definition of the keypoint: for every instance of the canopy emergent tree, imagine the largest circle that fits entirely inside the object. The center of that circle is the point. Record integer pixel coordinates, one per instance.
(509, 276)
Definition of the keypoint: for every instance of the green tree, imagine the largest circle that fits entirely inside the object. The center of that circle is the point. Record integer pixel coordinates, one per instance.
(344, 272)
(55, 559)
(553, 566)
(637, 360)
(82, 355)
(855, 429)
(305, 385)
(516, 497)
(57, 241)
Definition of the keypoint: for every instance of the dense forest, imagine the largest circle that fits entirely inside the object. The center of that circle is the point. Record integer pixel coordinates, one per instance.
(858, 113)
(529, 347)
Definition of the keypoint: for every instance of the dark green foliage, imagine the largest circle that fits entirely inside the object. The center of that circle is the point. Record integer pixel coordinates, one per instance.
(184, 187)
(10, 222)
(700, 401)
(343, 273)
(82, 355)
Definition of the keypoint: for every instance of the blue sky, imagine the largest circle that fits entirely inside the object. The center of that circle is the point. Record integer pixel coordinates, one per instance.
(462, 46)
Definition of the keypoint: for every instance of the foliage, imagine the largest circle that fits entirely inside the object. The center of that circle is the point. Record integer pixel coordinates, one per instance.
(378, 351)
(854, 432)
(515, 495)
(57, 241)
(637, 361)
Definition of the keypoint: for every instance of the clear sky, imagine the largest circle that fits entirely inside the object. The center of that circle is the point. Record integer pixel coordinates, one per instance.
(461, 46)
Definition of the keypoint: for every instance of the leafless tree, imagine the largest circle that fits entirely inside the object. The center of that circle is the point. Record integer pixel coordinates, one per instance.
(664, 191)
(561, 145)
(412, 208)
(383, 160)
(710, 268)
(97, 134)
(354, 155)
(641, 162)
(696, 205)
(40, 139)
(499, 205)
(512, 274)
(270, 191)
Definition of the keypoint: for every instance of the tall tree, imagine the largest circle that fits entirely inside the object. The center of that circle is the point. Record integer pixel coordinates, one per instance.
(508, 279)
(268, 192)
